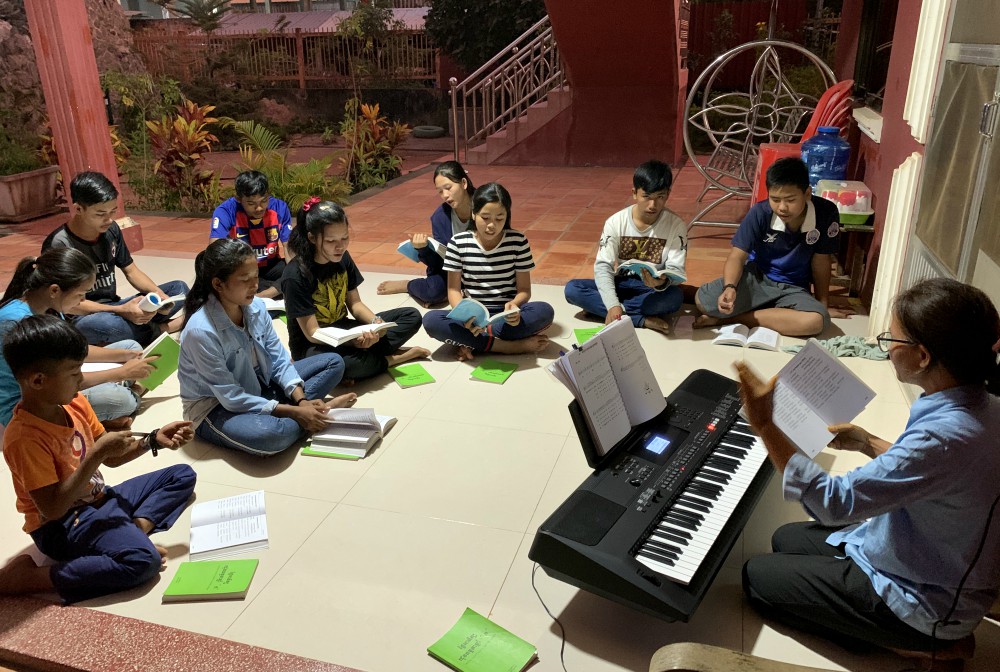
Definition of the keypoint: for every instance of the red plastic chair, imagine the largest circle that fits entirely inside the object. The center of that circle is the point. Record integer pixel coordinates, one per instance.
(833, 109)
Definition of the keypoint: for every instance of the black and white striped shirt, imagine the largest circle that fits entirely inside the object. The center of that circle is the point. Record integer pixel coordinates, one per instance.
(489, 277)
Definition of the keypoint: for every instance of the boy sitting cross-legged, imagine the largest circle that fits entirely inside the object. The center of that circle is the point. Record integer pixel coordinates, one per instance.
(646, 231)
(54, 445)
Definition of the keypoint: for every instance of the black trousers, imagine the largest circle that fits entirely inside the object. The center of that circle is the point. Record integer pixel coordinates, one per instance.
(270, 276)
(810, 585)
(364, 363)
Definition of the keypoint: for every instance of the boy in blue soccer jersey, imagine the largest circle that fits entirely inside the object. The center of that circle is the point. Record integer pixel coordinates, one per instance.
(260, 220)
(782, 245)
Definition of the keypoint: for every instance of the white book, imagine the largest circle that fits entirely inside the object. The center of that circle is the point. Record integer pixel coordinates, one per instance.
(229, 526)
(636, 266)
(612, 380)
(152, 303)
(337, 337)
(91, 367)
(352, 431)
(272, 304)
(815, 390)
(743, 336)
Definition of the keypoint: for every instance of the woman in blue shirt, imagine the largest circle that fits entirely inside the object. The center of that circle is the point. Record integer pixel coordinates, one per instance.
(905, 550)
(238, 384)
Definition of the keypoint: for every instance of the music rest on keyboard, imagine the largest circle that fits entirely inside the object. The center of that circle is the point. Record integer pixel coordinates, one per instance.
(651, 527)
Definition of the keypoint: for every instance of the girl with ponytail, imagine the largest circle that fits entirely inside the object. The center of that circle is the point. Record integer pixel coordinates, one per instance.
(239, 387)
(321, 290)
(56, 282)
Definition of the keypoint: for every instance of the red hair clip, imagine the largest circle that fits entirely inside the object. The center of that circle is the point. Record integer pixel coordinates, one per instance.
(311, 201)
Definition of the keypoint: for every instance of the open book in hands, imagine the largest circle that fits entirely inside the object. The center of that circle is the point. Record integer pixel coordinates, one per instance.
(337, 337)
(613, 382)
(352, 433)
(152, 303)
(470, 309)
(635, 266)
(407, 249)
(813, 391)
(741, 335)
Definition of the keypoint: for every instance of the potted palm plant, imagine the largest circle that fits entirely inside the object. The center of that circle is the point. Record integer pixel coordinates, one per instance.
(27, 185)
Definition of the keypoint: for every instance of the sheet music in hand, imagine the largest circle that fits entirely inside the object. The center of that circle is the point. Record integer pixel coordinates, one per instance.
(815, 390)
(612, 380)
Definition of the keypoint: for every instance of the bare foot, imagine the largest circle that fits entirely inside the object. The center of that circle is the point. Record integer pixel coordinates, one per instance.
(530, 345)
(162, 550)
(706, 321)
(407, 354)
(464, 353)
(21, 576)
(656, 324)
(392, 287)
(343, 401)
(118, 424)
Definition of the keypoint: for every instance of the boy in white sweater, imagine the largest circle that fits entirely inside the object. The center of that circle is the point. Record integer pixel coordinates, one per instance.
(647, 232)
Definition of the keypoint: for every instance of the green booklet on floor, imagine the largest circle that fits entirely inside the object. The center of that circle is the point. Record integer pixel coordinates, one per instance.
(309, 450)
(168, 352)
(477, 644)
(584, 335)
(211, 580)
(493, 371)
(410, 375)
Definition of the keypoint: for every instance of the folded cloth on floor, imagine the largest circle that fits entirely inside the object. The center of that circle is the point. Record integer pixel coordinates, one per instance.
(847, 346)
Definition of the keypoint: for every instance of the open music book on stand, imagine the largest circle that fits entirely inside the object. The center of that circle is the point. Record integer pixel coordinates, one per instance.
(613, 386)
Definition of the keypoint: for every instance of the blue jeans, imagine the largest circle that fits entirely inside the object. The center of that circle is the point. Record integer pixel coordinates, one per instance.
(535, 316)
(111, 401)
(264, 435)
(639, 300)
(103, 328)
(99, 549)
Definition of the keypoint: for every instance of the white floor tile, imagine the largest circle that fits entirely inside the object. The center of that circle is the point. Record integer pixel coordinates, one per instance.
(373, 589)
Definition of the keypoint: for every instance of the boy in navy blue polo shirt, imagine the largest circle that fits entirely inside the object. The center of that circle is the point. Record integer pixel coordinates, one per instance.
(261, 221)
(783, 244)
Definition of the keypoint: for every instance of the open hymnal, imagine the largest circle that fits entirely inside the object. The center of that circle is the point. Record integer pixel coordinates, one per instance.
(815, 390)
(471, 309)
(337, 337)
(165, 349)
(228, 526)
(352, 432)
(635, 266)
(152, 303)
(272, 305)
(612, 380)
(407, 249)
(741, 335)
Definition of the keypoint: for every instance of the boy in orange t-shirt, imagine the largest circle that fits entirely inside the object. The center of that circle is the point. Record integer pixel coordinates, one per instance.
(55, 446)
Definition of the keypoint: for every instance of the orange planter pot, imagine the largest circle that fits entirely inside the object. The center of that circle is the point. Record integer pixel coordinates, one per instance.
(28, 195)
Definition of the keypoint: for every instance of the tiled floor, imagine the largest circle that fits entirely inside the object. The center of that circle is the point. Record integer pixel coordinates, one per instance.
(370, 561)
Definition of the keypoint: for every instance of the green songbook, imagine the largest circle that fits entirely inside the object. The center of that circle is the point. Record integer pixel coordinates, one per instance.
(166, 363)
(493, 371)
(410, 375)
(211, 580)
(477, 644)
(309, 450)
(584, 335)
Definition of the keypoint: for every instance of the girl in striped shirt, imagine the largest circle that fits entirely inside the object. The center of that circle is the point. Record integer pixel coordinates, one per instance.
(492, 264)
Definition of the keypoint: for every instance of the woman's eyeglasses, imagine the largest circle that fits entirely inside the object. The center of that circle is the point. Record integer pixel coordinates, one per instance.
(885, 338)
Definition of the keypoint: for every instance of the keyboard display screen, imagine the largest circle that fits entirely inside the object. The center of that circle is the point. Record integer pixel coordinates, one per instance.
(657, 446)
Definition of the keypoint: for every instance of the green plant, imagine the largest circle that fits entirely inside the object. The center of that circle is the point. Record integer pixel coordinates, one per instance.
(474, 32)
(328, 135)
(18, 147)
(370, 139)
(261, 149)
(206, 14)
(179, 146)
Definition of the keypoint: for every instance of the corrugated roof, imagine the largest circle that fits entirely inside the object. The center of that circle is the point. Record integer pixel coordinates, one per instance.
(239, 22)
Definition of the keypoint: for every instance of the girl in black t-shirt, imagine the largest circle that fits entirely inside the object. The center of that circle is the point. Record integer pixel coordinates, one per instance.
(321, 290)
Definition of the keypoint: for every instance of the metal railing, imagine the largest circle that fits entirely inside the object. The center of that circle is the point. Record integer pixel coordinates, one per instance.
(505, 87)
(322, 59)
